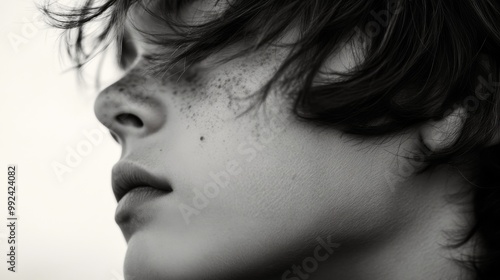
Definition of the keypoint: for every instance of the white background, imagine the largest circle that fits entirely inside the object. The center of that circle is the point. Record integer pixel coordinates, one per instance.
(66, 226)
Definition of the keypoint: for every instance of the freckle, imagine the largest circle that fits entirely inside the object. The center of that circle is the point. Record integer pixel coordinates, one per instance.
(161, 150)
(202, 138)
(121, 89)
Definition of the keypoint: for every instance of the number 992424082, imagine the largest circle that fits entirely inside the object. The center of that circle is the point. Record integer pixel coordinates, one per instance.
(11, 190)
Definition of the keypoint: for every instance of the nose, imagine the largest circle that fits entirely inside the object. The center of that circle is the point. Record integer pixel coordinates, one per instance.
(128, 108)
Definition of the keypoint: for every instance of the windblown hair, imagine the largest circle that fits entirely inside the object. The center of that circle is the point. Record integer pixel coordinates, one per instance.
(420, 60)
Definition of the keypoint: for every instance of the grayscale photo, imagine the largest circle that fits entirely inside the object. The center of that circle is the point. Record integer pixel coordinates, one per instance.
(250, 140)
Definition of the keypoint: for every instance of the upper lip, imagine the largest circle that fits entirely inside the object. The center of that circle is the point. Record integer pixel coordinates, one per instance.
(127, 176)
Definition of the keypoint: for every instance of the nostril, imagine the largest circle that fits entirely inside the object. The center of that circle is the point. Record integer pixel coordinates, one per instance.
(115, 137)
(129, 119)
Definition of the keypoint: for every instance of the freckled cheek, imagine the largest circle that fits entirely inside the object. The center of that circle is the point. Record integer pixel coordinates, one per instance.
(217, 100)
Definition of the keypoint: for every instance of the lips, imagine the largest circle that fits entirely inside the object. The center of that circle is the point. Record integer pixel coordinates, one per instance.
(127, 176)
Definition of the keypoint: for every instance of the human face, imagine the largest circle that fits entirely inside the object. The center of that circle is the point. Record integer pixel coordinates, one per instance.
(219, 192)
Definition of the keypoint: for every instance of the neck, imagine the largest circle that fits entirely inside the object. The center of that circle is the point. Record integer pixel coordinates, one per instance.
(418, 251)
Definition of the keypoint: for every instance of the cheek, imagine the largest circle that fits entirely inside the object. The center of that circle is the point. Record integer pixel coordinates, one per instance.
(324, 180)
(285, 176)
(280, 167)
(289, 177)
(210, 96)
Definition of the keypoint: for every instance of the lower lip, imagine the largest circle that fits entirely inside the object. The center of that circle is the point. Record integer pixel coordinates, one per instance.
(132, 210)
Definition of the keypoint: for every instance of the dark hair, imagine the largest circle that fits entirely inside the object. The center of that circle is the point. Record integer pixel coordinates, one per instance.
(419, 60)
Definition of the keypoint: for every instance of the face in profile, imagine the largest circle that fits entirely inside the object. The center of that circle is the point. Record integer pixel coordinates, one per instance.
(208, 188)
(216, 182)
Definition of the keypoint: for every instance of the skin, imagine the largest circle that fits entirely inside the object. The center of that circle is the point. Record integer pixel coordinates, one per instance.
(289, 183)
